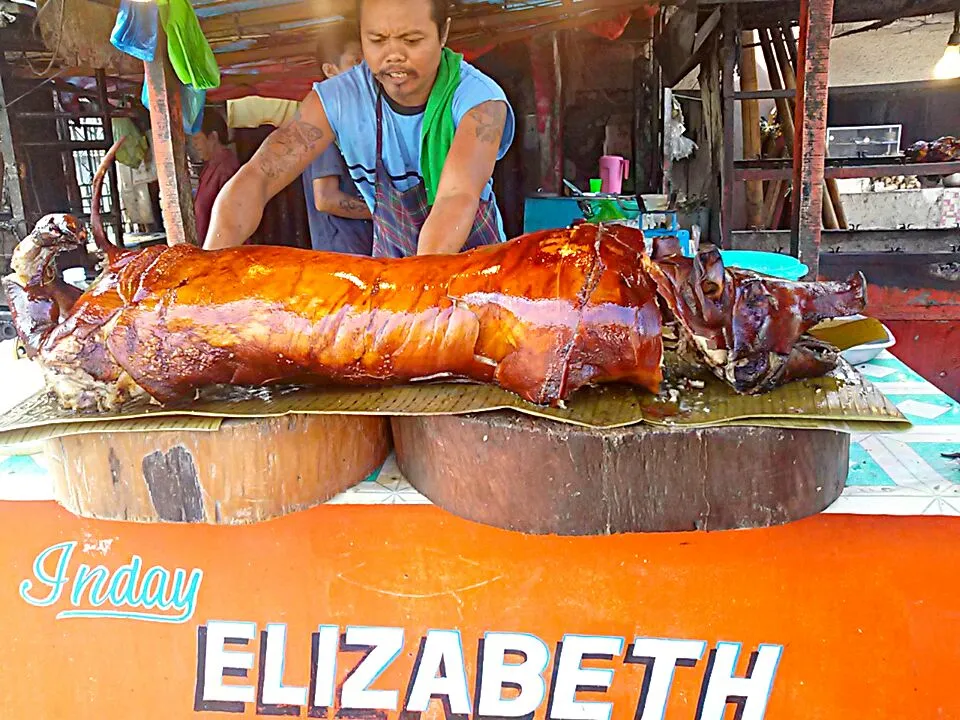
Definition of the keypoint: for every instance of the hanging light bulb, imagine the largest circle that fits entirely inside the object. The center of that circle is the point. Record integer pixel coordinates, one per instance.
(949, 65)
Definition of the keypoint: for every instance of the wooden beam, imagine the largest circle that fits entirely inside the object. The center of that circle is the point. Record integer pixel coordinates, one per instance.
(312, 72)
(675, 44)
(810, 137)
(267, 19)
(260, 53)
(525, 32)
(782, 38)
(680, 66)
(897, 243)
(11, 164)
(712, 124)
(750, 122)
(762, 94)
(774, 170)
(730, 42)
(546, 73)
(241, 24)
(760, 13)
(170, 148)
(648, 151)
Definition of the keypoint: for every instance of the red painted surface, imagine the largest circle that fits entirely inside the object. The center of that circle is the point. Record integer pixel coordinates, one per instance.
(926, 324)
(893, 303)
(932, 348)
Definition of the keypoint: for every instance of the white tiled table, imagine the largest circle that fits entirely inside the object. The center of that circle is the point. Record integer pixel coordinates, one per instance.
(890, 474)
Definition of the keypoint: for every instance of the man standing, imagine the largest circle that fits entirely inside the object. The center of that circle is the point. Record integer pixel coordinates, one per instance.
(340, 220)
(420, 131)
(220, 163)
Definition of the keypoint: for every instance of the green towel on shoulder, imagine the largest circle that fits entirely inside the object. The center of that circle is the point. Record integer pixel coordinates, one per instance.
(436, 135)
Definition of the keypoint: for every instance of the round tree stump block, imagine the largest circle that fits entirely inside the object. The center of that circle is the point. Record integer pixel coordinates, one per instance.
(539, 476)
(247, 471)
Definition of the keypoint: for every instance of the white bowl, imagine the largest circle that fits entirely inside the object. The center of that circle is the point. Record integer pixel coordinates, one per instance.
(860, 354)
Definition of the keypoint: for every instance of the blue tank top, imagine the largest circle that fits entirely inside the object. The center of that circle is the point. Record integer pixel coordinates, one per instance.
(350, 102)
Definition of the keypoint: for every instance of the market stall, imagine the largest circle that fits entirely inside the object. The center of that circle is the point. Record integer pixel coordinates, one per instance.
(590, 528)
(880, 199)
(248, 619)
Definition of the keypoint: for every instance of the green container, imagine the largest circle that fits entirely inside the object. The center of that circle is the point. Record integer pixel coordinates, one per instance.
(609, 208)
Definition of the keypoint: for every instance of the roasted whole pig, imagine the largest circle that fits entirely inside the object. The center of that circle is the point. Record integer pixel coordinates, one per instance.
(541, 315)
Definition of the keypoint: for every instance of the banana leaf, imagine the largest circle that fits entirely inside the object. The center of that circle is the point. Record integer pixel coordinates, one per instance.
(843, 400)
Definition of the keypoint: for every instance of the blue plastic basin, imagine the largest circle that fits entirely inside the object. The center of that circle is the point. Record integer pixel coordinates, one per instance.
(768, 263)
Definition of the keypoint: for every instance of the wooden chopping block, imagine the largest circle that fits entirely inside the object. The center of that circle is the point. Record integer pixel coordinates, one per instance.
(539, 476)
(247, 471)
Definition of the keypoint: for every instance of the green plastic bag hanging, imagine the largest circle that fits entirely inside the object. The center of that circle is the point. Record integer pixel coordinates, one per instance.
(133, 152)
(190, 53)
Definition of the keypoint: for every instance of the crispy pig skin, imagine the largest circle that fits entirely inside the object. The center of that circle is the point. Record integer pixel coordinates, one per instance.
(542, 316)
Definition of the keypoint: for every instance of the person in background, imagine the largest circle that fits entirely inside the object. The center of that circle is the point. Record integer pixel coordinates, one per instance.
(220, 163)
(340, 220)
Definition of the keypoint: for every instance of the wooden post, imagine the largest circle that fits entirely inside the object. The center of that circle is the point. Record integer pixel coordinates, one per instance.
(730, 37)
(713, 130)
(545, 61)
(170, 147)
(782, 39)
(750, 120)
(104, 102)
(11, 166)
(810, 138)
(649, 158)
(774, 194)
(666, 179)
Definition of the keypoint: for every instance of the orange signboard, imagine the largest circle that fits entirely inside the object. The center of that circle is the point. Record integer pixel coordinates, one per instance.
(403, 612)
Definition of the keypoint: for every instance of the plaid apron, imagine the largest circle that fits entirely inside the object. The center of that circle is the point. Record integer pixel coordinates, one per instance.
(399, 215)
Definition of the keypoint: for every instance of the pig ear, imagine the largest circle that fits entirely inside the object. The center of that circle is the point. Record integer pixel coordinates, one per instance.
(708, 273)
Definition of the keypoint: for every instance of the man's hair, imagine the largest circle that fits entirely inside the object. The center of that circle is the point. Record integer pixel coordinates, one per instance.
(213, 122)
(333, 42)
(439, 12)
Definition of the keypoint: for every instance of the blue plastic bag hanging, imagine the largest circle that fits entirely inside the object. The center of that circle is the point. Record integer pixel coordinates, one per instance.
(191, 101)
(135, 31)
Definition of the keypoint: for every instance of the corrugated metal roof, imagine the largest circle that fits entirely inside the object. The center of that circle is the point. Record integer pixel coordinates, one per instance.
(233, 26)
(274, 41)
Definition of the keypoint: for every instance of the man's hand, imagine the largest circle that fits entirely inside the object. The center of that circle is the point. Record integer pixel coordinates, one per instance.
(285, 154)
(468, 167)
(329, 198)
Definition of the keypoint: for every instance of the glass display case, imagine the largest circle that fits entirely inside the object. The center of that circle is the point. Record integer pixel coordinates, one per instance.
(864, 141)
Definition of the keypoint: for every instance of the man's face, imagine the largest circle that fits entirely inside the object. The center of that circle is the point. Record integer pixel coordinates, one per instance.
(402, 45)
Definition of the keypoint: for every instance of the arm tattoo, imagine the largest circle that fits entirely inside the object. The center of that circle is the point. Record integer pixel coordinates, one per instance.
(352, 204)
(490, 118)
(285, 145)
